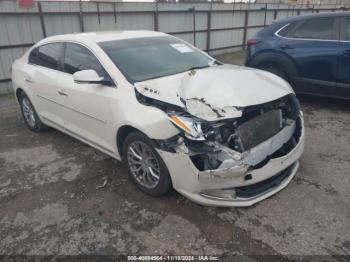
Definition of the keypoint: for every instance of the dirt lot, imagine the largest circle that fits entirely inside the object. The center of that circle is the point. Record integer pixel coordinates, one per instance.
(50, 203)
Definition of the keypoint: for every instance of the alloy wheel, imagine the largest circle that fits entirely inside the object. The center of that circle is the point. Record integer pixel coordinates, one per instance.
(28, 112)
(144, 165)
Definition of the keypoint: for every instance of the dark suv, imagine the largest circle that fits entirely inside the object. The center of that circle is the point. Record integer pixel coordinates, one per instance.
(311, 52)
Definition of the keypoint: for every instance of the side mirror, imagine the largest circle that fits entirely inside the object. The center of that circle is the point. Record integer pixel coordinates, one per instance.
(90, 77)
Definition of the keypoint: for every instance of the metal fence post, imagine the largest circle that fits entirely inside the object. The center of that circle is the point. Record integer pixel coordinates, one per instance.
(208, 29)
(265, 14)
(246, 14)
(81, 18)
(155, 17)
(193, 9)
(98, 12)
(194, 25)
(42, 20)
(115, 12)
(275, 14)
(298, 11)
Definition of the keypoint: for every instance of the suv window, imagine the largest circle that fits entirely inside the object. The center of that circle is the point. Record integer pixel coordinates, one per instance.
(315, 29)
(286, 29)
(79, 58)
(47, 55)
(347, 29)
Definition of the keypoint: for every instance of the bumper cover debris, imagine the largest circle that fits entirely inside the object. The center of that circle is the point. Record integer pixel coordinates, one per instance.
(248, 177)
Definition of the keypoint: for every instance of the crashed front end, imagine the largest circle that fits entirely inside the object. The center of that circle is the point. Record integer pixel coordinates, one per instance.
(237, 160)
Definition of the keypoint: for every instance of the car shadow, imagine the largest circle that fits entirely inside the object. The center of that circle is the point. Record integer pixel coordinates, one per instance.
(318, 102)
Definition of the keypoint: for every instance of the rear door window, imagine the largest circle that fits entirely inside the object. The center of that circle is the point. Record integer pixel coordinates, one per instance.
(346, 31)
(286, 29)
(47, 55)
(315, 29)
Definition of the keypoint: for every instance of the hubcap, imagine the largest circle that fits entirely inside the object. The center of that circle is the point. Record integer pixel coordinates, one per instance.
(143, 164)
(28, 112)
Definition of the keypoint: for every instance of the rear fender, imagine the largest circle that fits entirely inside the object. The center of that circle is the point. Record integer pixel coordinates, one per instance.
(284, 61)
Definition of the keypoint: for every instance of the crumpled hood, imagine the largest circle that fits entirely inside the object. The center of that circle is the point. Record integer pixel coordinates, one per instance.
(216, 92)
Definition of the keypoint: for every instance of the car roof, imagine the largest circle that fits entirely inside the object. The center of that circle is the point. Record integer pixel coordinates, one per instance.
(102, 36)
(310, 16)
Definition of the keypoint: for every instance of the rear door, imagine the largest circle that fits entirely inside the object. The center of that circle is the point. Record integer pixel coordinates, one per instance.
(44, 66)
(313, 44)
(343, 85)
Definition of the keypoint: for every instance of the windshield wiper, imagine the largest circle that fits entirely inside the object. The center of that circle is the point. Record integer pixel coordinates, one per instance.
(173, 73)
(215, 62)
(197, 67)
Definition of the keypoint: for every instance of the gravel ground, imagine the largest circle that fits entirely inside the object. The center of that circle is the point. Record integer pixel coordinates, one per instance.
(51, 203)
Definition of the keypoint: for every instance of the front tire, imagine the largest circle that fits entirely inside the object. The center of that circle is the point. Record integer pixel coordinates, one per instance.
(146, 168)
(30, 116)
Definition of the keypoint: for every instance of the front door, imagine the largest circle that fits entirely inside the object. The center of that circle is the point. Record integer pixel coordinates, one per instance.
(88, 106)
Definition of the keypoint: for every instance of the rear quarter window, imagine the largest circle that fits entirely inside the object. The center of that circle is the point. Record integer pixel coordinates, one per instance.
(285, 29)
(315, 29)
(346, 35)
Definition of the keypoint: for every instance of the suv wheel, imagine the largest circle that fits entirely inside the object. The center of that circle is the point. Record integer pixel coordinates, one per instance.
(146, 168)
(29, 115)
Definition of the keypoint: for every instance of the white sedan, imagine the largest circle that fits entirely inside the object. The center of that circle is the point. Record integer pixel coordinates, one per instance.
(219, 134)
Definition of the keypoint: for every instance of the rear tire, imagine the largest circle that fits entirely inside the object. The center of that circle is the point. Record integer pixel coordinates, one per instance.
(30, 116)
(146, 168)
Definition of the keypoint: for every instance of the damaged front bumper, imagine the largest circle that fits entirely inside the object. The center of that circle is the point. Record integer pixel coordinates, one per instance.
(241, 185)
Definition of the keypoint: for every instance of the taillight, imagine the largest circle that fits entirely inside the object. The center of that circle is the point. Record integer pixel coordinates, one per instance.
(251, 42)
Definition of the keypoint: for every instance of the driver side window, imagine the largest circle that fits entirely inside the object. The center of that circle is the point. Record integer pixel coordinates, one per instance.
(77, 58)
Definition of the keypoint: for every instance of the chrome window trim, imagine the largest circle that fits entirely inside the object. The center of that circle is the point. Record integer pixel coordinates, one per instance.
(303, 39)
(74, 42)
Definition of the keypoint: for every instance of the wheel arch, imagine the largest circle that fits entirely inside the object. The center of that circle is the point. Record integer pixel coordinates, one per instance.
(18, 92)
(122, 134)
(272, 57)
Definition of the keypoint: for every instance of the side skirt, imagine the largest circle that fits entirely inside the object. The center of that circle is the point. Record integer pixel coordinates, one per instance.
(80, 138)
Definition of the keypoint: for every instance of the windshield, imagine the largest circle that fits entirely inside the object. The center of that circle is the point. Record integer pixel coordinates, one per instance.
(140, 59)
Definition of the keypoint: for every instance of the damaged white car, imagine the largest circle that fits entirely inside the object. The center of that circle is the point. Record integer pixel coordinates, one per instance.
(221, 135)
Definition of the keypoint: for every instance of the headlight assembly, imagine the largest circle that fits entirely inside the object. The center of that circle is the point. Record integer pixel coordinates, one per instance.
(189, 126)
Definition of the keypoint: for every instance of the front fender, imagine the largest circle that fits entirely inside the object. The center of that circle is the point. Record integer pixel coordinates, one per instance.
(151, 121)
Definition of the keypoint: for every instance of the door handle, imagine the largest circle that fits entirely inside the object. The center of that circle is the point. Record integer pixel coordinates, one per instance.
(284, 47)
(28, 80)
(62, 93)
(346, 52)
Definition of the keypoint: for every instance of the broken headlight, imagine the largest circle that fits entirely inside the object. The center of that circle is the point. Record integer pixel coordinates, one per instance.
(191, 127)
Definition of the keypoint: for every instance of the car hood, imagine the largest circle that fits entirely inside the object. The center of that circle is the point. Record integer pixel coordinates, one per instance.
(217, 92)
